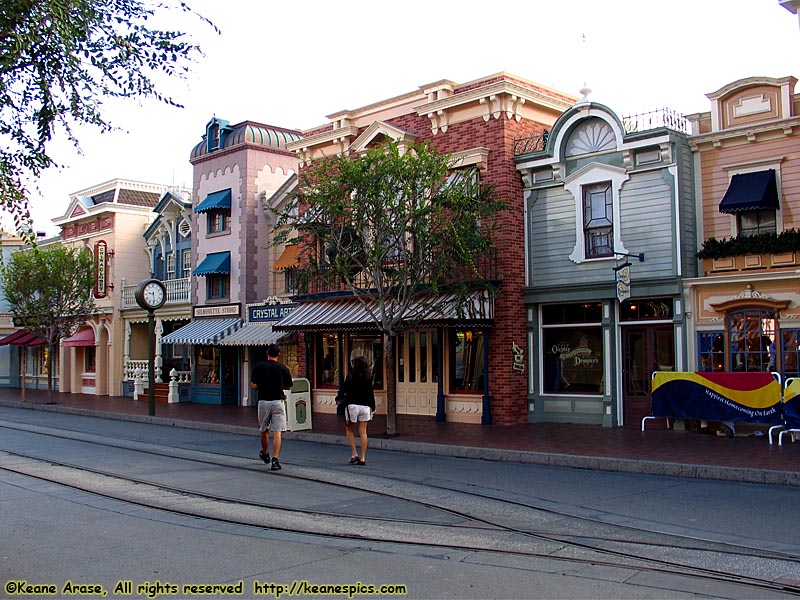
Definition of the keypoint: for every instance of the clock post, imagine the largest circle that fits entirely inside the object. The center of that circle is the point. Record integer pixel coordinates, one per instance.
(151, 294)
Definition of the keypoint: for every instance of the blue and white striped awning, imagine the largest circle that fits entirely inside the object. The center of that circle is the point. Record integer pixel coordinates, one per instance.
(203, 332)
(253, 334)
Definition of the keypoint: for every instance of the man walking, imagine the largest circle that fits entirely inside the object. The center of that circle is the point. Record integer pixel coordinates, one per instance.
(271, 378)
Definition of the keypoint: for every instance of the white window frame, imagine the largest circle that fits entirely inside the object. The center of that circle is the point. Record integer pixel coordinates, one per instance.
(574, 184)
(762, 165)
(171, 265)
(187, 263)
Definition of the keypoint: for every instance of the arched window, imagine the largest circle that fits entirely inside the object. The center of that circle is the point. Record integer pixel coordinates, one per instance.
(752, 333)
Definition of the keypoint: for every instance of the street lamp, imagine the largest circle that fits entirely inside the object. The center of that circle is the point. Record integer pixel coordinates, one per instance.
(793, 6)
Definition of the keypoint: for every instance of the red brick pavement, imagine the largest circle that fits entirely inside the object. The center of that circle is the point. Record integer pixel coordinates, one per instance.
(657, 444)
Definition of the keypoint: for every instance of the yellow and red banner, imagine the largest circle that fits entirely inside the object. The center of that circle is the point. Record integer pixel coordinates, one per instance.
(719, 396)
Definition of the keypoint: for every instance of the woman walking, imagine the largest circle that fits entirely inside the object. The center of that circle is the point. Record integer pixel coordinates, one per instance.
(358, 407)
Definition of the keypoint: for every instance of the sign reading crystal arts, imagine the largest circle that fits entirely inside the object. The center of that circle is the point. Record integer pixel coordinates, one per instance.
(271, 310)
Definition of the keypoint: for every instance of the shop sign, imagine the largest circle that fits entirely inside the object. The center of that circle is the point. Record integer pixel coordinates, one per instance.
(222, 310)
(100, 269)
(623, 279)
(519, 358)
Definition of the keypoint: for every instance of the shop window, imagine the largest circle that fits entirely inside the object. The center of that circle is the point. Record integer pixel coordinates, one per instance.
(711, 351)
(218, 287)
(646, 310)
(327, 363)
(89, 359)
(751, 334)
(371, 348)
(791, 352)
(208, 365)
(467, 360)
(572, 340)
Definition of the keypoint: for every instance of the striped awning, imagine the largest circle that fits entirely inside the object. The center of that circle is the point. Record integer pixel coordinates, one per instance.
(253, 334)
(216, 263)
(203, 332)
(214, 201)
(350, 314)
(22, 338)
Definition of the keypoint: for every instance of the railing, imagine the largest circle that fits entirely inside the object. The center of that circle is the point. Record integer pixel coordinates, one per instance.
(534, 143)
(178, 291)
(646, 121)
(325, 280)
(656, 119)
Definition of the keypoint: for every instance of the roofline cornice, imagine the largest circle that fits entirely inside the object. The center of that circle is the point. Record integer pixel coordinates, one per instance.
(749, 132)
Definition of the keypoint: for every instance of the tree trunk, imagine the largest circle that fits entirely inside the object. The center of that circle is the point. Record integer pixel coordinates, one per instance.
(51, 354)
(391, 385)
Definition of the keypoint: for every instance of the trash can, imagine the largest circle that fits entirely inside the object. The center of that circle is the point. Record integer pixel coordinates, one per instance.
(298, 405)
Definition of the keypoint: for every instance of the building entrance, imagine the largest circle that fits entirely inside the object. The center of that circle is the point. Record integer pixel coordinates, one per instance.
(417, 372)
(644, 349)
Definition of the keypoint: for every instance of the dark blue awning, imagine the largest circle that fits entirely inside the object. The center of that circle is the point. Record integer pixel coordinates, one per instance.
(218, 263)
(751, 191)
(214, 201)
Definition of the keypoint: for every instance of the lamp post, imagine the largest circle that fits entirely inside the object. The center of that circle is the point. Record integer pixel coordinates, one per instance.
(793, 6)
(151, 294)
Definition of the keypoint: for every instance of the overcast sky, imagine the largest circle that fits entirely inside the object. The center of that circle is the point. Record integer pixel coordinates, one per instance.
(293, 63)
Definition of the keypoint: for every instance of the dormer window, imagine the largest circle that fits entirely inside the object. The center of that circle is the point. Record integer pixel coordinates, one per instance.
(216, 130)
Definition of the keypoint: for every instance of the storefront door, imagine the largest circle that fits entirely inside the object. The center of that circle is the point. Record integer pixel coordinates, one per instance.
(644, 350)
(417, 372)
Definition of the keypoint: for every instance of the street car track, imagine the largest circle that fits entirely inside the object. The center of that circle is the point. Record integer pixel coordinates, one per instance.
(504, 538)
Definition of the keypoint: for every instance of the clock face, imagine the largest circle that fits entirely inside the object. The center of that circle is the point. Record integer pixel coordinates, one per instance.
(150, 294)
(153, 294)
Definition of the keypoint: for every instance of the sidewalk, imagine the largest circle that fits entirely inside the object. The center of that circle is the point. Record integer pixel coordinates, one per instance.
(657, 451)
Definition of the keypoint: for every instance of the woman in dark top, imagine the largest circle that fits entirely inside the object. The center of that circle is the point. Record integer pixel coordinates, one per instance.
(359, 405)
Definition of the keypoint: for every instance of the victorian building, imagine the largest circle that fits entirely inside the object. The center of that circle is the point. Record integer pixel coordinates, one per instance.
(744, 306)
(453, 368)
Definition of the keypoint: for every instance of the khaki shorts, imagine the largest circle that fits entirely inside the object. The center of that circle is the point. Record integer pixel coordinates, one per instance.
(271, 415)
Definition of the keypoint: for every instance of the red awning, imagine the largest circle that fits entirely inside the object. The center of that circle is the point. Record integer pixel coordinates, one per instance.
(22, 338)
(84, 337)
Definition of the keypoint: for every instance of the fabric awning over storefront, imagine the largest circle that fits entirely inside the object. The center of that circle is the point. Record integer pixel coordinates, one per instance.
(252, 334)
(751, 191)
(350, 315)
(215, 200)
(203, 332)
(217, 263)
(22, 338)
(288, 259)
(84, 337)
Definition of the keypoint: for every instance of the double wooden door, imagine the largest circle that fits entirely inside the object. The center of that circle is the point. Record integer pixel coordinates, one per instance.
(644, 349)
(417, 369)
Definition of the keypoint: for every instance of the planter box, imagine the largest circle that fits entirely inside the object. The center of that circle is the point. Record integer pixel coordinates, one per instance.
(750, 262)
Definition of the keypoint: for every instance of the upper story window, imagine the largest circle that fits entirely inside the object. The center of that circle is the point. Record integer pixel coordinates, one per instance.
(171, 265)
(598, 220)
(752, 198)
(218, 287)
(596, 190)
(219, 220)
(187, 263)
(217, 208)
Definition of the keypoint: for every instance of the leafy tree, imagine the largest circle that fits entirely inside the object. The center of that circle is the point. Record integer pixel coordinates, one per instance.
(400, 231)
(59, 59)
(49, 292)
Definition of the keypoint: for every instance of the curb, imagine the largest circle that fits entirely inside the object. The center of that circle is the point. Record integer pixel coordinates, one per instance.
(574, 461)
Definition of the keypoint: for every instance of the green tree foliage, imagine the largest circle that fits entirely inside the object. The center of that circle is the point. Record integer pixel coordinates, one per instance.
(59, 59)
(399, 230)
(49, 292)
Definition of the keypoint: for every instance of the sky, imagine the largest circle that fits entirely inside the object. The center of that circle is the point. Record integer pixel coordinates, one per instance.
(291, 64)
